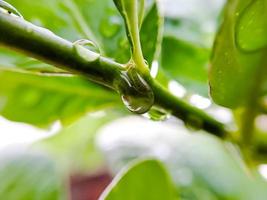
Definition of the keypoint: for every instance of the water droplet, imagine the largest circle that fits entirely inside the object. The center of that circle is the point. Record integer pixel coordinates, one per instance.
(193, 123)
(9, 9)
(88, 44)
(109, 27)
(158, 114)
(82, 46)
(136, 94)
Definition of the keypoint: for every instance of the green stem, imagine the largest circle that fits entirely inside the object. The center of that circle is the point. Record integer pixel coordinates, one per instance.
(185, 111)
(39, 43)
(250, 112)
(130, 13)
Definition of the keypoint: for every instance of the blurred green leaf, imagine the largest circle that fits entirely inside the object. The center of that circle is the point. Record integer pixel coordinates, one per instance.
(151, 34)
(74, 146)
(202, 166)
(186, 63)
(43, 99)
(239, 57)
(146, 179)
(30, 177)
(189, 30)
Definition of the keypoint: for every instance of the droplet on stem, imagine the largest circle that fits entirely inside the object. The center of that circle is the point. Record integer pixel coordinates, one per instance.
(158, 114)
(135, 92)
(82, 46)
(9, 9)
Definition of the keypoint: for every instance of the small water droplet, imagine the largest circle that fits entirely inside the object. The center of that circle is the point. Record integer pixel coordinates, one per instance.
(9, 9)
(136, 94)
(158, 114)
(109, 27)
(193, 123)
(82, 46)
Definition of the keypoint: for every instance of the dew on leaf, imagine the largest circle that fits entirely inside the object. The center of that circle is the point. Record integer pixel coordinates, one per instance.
(135, 92)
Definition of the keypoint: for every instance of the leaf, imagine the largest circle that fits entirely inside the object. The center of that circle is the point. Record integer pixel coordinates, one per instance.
(251, 27)
(74, 146)
(43, 99)
(186, 63)
(189, 30)
(29, 177)
(201, 165)
(147, 180)
(151, 34)
(238, 72)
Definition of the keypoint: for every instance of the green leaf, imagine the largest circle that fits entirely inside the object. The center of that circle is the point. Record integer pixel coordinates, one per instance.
(238, 72)
(151, 34)
(200, 164)
(251, 27)
(74, 146)
(30, 177)
(43, 99)
(186, 63)
(187, 43)
(147, 180)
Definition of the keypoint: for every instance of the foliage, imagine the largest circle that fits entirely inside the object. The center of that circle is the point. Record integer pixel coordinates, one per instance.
(140, 52)
(127, 184)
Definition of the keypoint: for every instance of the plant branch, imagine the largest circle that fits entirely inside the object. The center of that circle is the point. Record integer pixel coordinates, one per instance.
(39, 43)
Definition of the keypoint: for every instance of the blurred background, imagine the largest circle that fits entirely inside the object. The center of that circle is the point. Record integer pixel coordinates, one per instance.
(47, 156)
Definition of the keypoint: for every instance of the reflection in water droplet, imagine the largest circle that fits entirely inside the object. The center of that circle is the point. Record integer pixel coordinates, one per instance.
(136, 94)
(92, 55)
(109, 27)
(193, 122)
(158, 114)
(9, 9)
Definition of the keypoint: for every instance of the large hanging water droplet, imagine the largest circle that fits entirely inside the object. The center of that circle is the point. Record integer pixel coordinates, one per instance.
(136, 94)
(158, 114)
(109, 27)
(7, 8)
(82, 46)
